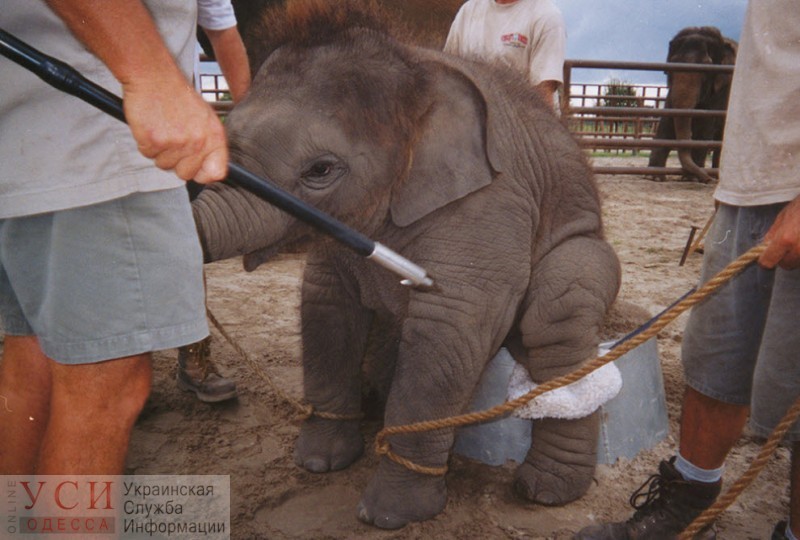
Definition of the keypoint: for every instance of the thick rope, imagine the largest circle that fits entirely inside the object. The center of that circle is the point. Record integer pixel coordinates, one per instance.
(747, 478)
(382, 445)
(305, 410)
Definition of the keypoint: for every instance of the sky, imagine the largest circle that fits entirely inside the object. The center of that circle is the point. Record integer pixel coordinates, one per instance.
(638, 31)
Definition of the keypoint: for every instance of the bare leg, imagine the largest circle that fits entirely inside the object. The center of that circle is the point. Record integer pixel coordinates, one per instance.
(709, 429)
(24, 403)
(92, 411)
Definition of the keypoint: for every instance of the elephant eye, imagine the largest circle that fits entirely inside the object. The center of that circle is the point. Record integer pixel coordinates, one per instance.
(320, 169)
(322, 172)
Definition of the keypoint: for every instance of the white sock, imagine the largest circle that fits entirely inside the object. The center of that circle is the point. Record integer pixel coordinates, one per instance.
(690, 471)
(788, 534)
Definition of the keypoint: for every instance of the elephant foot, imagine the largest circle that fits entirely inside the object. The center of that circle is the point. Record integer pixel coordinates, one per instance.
(396, 496)
(697, 178)
(328, 445)
(550, 483)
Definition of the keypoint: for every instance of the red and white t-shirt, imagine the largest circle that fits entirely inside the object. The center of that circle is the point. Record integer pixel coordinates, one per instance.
(528, 35)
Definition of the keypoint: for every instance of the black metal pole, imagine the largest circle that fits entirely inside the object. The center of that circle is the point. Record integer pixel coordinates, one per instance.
(65, 78)
(60, 75)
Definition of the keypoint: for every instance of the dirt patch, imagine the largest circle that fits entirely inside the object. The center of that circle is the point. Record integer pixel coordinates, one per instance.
(251, 439)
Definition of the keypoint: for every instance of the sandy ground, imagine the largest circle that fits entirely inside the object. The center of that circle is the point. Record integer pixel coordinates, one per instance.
(251, 439)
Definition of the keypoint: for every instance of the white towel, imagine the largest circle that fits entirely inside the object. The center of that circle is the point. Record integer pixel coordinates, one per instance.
(575, 400)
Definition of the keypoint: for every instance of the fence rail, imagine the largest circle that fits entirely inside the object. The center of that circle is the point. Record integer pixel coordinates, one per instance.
(597, 124)
(589, 111)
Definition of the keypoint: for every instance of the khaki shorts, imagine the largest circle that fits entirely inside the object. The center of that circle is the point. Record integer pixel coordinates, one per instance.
(105, 281)
(742, 344)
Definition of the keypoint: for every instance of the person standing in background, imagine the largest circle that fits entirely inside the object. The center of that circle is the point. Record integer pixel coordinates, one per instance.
(528, 35)
(217, 21)
(196, 371)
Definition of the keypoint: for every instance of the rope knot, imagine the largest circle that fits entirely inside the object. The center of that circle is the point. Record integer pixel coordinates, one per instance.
(305, 411)
(382, 447)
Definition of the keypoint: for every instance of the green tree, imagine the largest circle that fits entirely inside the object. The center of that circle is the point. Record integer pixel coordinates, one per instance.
(619, 94)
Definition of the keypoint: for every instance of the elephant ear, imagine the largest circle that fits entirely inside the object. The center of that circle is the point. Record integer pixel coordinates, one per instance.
(728, 58)
(450, 156)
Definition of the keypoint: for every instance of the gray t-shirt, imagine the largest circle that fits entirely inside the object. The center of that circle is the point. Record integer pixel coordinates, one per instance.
(761, 155)
(58, 152)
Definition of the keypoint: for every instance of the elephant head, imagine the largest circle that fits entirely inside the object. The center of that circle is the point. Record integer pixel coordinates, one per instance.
(302, 127)
(458, 166)
(696, 90)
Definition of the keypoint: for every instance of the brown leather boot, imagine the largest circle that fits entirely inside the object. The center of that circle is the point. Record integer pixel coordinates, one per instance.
(668, 506)
(196, 373)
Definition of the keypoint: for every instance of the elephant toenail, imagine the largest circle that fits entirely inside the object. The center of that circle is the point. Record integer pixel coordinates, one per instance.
(316, 465)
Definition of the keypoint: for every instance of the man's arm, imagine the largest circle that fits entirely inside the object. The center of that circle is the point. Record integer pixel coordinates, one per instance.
(169, 120)
(549, 45)
(548, 89)
(783, 239)
(232, 59)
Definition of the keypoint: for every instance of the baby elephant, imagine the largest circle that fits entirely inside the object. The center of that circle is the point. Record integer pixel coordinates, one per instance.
(460, 168)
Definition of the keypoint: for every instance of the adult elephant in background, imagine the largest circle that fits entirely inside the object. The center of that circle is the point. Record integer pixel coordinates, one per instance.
(695, 90)
(459, 167)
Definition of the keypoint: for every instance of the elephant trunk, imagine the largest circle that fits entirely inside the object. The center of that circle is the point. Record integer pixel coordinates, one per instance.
(231, 221)
(683, 130)
(685, 93)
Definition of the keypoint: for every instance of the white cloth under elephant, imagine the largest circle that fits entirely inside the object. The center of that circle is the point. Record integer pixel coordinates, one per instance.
(575, 400)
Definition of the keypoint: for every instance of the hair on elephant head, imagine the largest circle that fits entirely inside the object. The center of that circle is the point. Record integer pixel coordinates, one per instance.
(458, 166)
(696, 90)
(428, 21)
(697, 45)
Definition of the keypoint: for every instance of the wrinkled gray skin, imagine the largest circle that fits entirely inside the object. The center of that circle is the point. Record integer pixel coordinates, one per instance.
(696, 90)
(463, 172)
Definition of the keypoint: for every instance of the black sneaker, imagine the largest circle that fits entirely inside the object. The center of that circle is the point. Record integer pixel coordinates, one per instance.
(196, 373)
(665, 505)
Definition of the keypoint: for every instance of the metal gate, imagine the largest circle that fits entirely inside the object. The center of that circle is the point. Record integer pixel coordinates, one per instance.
(597, 124)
